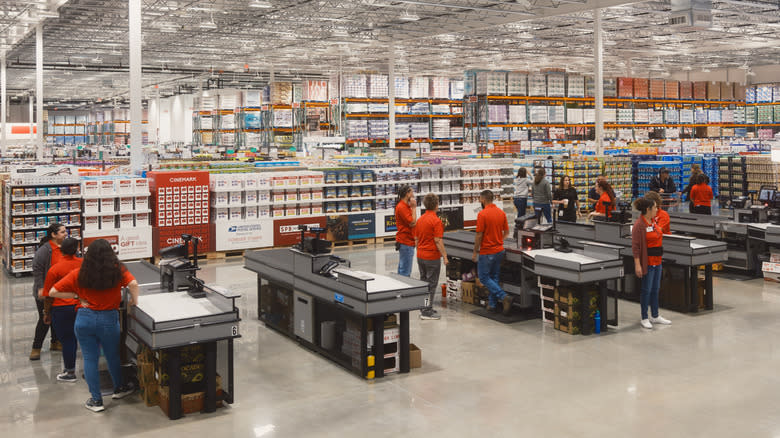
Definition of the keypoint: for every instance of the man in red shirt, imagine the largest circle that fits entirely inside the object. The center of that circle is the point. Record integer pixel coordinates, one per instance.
(492, 229)
(430, 249)
(62, 312)
(405, 221)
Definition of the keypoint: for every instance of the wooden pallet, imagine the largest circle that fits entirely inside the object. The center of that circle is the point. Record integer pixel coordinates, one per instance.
(384, 240)
(351, 243)
(219, 255)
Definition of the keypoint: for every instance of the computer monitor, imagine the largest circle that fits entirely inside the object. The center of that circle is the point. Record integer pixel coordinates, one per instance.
(766, 195)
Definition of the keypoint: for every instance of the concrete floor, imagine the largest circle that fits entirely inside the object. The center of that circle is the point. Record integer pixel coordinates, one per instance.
(712, 374)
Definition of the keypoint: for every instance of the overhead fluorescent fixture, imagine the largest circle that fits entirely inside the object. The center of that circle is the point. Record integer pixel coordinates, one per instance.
(406, 16)
(260, 4)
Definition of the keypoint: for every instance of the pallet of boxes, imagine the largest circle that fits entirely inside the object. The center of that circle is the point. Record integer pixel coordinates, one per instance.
(153, 378)
(771, 269)
(575, 310)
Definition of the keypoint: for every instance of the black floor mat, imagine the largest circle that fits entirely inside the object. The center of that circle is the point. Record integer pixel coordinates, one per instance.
(516, 315)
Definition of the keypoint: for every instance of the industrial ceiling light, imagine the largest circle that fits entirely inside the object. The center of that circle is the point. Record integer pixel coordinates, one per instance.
(705, 70)
(406, 16)
(208, 24)
(260, 4)
(750, 73)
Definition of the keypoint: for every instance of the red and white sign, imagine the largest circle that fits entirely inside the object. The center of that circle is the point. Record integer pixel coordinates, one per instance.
(286, 231)
(129, 243)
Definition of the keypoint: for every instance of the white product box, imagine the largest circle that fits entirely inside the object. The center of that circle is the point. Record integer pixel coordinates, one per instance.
(141, 219)
(141, 186)
(221, 199)
(90, 187)
(91, 205)
(107, 222)
(236, 213)
(91, 223)
(221, 214)
(263, 196)
(126, 220)
(218, 182)
(250, 181)
(235, 181)
(126, 204)
(235, 198)
(291, 210)
(291, 181)
(250, 213)
(250, 196)
(263, 211)
(141, 203)
(263, 181)
(316, 208)
(125, 186)
(291, 195)
(107, 187)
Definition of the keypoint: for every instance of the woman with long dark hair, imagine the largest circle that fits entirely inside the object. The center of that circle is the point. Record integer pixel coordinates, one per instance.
(542, 195)
(647, 248)
(46, 256)
(98, 285)
(607, 200)
(566, 198)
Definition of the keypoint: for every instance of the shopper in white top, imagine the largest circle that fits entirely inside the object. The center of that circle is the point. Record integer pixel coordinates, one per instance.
(522, 186)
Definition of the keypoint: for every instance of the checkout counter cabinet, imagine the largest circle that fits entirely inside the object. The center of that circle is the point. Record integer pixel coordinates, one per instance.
(683, 288)
(334, 332)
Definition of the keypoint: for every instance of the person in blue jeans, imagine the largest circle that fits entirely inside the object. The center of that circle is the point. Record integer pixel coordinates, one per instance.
(647, 249)
(492, 229)
(522, 188)
(405, 221)
(98, 284)
(542, 195)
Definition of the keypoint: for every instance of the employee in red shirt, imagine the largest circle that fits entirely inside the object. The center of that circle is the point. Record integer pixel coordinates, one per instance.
(429, 232)
(405, 221)
(646, 245)
(492, 229)
(607, 199)
(701, 195)
(98, 284)
(62, 312)
(662, 217)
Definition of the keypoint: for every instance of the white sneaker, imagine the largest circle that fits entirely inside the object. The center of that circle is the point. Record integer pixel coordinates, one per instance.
(646, 324)
(660, 320)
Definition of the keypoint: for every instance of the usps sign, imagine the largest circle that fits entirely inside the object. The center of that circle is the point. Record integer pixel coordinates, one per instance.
(239, 235)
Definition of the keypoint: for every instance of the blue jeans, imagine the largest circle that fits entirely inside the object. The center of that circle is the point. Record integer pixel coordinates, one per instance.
(96, 329)
(63, 318)
(649, 296)
(543, 209)
(521, 204)
(488, 270)
(405, 260)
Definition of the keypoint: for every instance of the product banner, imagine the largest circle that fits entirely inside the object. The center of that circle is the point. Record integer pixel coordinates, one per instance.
(169, 236)
(338, 228)
(286, 233)
(361, 226)
(238, 235)
(129, 244)
(470, 212)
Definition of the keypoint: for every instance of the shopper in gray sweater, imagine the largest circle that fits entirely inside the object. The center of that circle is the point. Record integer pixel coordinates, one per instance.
(542, 193)
(522, 185)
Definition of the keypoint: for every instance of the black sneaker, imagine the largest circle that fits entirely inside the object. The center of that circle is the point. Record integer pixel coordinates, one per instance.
(429, 314)
(67, 377)
(123, 391)
(94, 406)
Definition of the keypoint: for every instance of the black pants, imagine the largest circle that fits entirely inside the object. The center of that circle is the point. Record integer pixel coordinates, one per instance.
(702, 209)
(41, 329)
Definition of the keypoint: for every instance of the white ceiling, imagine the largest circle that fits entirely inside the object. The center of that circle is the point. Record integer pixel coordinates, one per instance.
(86, 53)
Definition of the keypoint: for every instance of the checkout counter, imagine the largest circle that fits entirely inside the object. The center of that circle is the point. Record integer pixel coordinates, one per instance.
(682, 253)
(346, 315)
(167, 318)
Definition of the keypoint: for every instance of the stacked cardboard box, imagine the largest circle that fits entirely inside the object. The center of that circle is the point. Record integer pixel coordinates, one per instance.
(672, 90)
(686, 90)
(641, 88)
(657, 88)
(625, 87)
(700, 90)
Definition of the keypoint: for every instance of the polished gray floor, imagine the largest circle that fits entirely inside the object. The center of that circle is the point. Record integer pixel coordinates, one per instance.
(708, 375)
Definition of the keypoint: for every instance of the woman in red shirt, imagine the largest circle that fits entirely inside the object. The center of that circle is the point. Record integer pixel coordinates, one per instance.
(98, 285)
(606, 202)
(646, 245)
(662, 217)
(701, 196)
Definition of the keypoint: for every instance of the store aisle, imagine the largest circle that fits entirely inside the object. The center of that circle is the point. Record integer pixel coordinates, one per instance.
(709, 375)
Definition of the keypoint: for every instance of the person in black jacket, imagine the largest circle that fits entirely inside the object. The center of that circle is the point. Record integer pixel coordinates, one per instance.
(663, 183)
(566, 199)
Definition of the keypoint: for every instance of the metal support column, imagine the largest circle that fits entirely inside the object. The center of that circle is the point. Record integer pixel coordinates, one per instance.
(391, 101)
(136, 142)
(31, 124)
(598, 52)
(39, 89)
(3, 108)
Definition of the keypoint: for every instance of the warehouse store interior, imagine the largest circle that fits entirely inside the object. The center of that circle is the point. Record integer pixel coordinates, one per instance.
(277, 218)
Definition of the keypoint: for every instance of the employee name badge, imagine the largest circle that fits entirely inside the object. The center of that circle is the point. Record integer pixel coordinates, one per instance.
(560, 213)
(650, 229)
